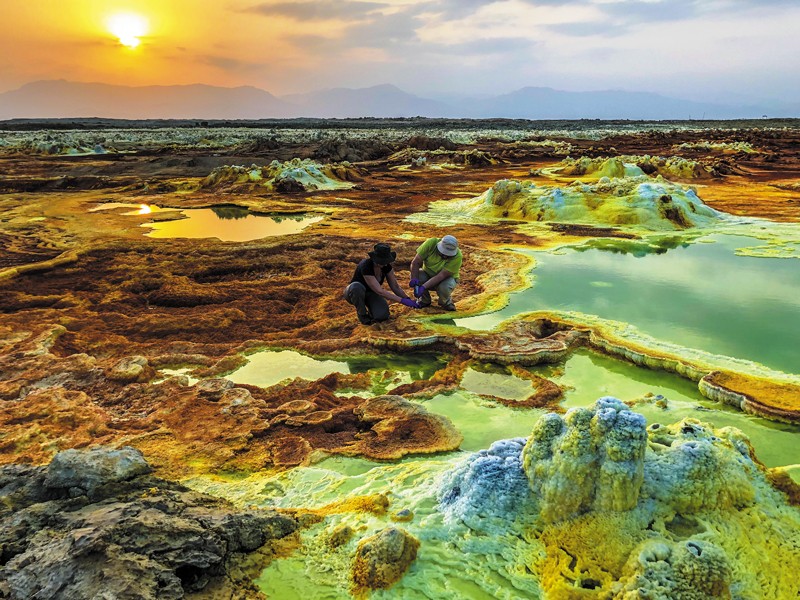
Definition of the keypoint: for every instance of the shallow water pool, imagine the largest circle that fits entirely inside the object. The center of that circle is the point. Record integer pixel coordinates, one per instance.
(229, 224)
(269, 367)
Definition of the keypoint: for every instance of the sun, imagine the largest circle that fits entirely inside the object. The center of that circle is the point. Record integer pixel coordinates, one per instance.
(128, 27)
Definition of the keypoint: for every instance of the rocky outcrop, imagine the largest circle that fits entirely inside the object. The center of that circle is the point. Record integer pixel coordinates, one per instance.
(94, 524)
(414, 158)
(398, 427)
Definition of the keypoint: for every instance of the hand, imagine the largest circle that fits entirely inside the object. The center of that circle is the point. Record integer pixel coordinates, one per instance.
(419, 290)
(409, 303)
(413, 283)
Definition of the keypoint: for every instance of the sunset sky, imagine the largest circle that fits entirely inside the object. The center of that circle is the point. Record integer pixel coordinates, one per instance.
(697, 49)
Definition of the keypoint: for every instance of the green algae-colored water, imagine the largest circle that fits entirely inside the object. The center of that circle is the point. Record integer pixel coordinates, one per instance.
(586, 376)
(502, 385)
(269, 367)
(698, 295)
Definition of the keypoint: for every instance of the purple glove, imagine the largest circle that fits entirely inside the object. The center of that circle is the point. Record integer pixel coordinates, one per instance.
(413, 283)
(409, 303)
(419, 290)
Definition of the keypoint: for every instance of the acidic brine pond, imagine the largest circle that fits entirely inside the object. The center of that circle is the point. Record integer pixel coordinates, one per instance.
(697, 295)
(230, 224)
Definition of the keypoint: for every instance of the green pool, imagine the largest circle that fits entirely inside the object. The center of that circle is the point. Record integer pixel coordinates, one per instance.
(699, 295)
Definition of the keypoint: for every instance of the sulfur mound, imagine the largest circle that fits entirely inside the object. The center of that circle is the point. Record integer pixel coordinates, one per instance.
(296, 175)
(614, 509)
(636, 201)
(487, 489)
(694, 570)
(382, 559)
(589, 460)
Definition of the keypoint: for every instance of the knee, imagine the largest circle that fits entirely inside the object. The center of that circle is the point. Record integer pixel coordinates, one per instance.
(448, 285)
(356, 290)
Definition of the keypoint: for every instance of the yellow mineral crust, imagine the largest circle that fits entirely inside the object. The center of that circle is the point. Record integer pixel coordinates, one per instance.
(776, 400)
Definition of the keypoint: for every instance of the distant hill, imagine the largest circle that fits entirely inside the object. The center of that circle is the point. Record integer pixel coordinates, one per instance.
(48, 99)
(377, 101)
(547, 103)
(54, 99)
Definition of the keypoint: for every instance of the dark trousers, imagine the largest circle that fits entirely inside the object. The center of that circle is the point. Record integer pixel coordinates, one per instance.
(368, 304)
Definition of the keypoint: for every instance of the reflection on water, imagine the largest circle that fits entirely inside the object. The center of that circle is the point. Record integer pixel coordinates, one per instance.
(229, 224)
(316, 571)
(502, 385)
(699, 296)
(230, 212)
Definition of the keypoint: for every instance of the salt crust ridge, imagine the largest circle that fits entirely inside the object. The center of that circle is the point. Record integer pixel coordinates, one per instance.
(628, 165)
(653, 204)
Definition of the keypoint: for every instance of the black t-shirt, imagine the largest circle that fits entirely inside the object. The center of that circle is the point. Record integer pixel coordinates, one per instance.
(367, 267)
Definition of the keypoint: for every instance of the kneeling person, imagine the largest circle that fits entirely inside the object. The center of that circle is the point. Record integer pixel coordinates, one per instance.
(436, 267)
(365, 290)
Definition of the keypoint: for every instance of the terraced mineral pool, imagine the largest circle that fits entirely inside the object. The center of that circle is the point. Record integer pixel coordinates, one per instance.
(698, 295)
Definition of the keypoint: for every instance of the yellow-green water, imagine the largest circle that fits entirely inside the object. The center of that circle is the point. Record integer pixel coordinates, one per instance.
(269, 367)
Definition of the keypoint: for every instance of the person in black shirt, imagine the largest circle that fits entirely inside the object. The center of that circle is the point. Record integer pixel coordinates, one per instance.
(365, 290)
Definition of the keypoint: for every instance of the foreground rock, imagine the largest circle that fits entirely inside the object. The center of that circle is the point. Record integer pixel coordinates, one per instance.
(382, 559)
(94, 524)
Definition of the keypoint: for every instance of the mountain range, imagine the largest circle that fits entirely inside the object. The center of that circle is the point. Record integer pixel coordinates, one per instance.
(63, 99)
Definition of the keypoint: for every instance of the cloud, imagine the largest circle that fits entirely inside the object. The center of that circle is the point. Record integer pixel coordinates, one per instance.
(228, 63)
(317, 10)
